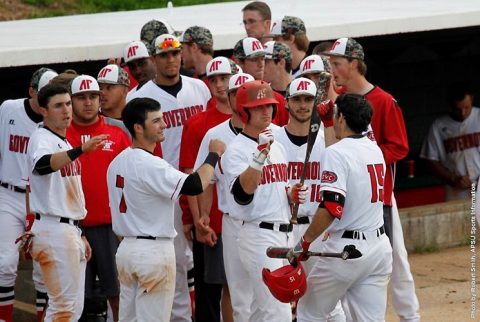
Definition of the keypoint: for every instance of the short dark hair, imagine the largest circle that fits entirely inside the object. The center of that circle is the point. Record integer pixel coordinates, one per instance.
(262, 8)
(135, 112)
(356, 110)
(48, 91)
(322, 47)
(457, 91)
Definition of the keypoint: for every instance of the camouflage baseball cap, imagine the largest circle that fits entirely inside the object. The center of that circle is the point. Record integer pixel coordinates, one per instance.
(277, 50)
(42, 77)
(154, 28)
(288, 25)
(346, 47)
(112, 74)
(198, 35)
(248, 48)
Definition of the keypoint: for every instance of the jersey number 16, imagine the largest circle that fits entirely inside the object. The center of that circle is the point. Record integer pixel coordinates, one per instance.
(376, 173)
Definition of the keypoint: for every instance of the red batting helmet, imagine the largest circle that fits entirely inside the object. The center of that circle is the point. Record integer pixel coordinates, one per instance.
(287, 284)
(252, 94)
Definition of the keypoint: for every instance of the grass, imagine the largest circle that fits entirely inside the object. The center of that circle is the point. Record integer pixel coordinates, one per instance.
(50, 8)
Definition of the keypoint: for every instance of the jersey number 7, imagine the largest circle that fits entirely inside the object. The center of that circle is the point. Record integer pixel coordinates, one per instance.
(120, 183)
(376, 173)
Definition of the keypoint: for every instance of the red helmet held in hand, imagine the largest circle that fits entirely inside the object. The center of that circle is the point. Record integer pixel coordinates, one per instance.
(287, 284)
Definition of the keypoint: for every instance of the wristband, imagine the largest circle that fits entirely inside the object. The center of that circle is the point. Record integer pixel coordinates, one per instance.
(212, 159)
(74, 153)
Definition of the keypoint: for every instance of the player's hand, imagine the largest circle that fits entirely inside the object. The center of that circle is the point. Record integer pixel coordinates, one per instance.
(94, 143)
(25, 243)
(462, 182)
(207, 237)
(217, 146)
(299, 252)
(114, 61)
(88, 249)
(325, 111)
(299, 193)
(187, 231)
(265, 140)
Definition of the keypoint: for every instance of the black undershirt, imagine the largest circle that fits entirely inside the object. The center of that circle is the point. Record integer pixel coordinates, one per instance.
(297, 140)
(172, 89)
(37, 118)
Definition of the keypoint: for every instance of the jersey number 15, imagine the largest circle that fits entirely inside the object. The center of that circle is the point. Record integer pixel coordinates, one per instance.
(376, 173)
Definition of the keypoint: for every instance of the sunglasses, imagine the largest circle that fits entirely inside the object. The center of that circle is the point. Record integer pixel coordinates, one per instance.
(169, 43)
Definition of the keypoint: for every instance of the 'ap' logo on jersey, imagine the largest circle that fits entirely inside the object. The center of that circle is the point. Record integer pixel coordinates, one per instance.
(85, 84)
(132, 51)
(214, 66)
(308, 64)
(103, 73)
(303, 86)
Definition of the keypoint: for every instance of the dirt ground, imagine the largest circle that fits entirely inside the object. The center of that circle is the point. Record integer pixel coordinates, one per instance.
(442, 281)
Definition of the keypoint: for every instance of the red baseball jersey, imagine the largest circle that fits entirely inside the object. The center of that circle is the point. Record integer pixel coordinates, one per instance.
(95, 165)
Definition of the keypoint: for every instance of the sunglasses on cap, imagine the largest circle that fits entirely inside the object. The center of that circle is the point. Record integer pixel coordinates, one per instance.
(169, 43)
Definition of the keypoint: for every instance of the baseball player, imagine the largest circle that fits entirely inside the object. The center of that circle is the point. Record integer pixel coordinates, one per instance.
(249, 54)
(278, 65)
(197, 50)
(452, 146)
(18, 119)
(347, 61)
(180, 97)
(136, 56)
(257, 18)
(292, 32)
(97, 225)
(351, 214)
(256, 170)
(312, 67)
(236, 277)
(142, 190)
(58, 203)
(114, 83)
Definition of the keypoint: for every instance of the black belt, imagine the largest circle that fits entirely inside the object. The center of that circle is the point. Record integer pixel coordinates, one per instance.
(63, 220)
(303, 220)
(284, 228)
(11, 187)
(147, 237)
(353, 234)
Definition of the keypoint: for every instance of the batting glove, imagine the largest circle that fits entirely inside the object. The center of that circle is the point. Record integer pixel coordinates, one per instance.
(325, 111)
(299, 193)
(265, 140)
(299, 253)
(25, 242)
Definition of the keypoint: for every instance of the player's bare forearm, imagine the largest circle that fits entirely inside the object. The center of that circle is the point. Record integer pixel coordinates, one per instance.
(444, 173)
(330, 137)
(249, 180)
(205, 172)
(205, 201)
(320, 222)
(59, 160)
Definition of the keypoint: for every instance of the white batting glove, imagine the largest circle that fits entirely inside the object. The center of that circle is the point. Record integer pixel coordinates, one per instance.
(265, 140)
(299, 193)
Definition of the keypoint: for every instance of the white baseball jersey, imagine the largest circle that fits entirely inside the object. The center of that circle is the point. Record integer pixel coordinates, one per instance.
(358, 176)
(295, 157)
(142, 189)
(270, 202)
(16, 128)
(225, 132)
(455, 144)
(130, 93)
(58, 193)
(190, 100)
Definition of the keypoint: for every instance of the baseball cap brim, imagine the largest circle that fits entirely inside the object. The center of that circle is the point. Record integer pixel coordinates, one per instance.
(262, 101)
(255, 55)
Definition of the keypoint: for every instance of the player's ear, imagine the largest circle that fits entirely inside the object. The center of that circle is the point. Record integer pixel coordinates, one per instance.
(137, 128)
(32, 92)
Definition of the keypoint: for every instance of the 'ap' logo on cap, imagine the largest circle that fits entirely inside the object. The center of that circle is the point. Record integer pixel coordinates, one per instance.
(308, 64)
(241, 80)
(214, 66)
(85, 84)
(103, 73)
(262, 93)
(303, 86)
(256, 45)
(132, 51)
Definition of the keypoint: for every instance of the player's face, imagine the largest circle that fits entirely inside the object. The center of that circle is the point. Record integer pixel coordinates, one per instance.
(462, 109)
(341, 69)
(255, 67)
(219, 86)
(314, 77)
(300, 107)
(112, 96)
(232, 97)
(142, 69)
(85, 107)
(58, 114)
(261, 116)
(187, 56)
(168, 64)
(271, 71)
(154, 129)
(255, 25)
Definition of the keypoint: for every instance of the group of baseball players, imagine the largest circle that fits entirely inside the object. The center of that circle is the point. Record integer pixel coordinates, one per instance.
(137, 176)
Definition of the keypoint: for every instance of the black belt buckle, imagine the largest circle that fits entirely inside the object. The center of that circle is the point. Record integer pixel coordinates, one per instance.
(147, 237)
(284, 228)
(380, 231)
(303, 220)
(353, 234)
(66, 220)
(14, 188)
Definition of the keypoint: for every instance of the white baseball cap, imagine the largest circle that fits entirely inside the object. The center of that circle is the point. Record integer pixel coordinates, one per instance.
(248, 47)
(301, 86)
(46, 78)
(238, 80)
(312, 64)
(220, 66)
(113, 74)
(84, 84)
(346, 47)
(135, 50)
(166, 42)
